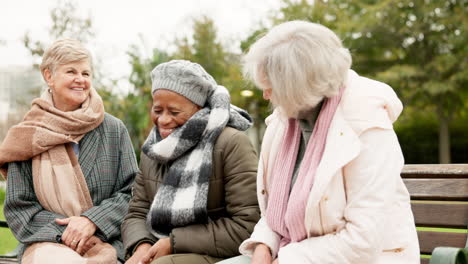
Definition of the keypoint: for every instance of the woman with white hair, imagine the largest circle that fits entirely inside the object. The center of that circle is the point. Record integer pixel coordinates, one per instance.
(329, 185)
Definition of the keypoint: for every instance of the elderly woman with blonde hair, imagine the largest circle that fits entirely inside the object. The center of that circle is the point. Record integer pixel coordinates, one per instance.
(69, 167)
(329, 185)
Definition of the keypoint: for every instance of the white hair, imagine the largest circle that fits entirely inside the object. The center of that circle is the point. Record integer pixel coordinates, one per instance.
(302, 62)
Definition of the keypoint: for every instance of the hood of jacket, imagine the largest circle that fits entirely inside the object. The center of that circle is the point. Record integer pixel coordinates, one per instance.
(368, 103)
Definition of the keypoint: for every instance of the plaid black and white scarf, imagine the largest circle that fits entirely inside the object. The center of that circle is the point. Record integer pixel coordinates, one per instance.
(188, 151)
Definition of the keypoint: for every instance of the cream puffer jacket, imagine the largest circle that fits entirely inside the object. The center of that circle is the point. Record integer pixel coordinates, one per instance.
(359, 209)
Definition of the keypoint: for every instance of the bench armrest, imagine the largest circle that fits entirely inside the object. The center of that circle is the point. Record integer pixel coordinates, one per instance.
(3, 224)
(449, 255)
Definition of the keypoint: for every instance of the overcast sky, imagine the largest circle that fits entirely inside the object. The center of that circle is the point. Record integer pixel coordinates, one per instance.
(119, 23)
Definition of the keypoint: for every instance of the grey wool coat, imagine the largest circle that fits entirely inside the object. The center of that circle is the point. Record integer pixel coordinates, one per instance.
(108, 162)
(232, 202)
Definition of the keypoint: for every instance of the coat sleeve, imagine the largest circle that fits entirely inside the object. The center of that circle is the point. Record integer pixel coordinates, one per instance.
(109, 214)
(27, 219)
(262, 232)
(134, 228)
(369, 182)
(222, 237)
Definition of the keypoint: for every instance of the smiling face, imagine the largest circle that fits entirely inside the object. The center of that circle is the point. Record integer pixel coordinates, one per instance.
(170, 111)
(70, 84)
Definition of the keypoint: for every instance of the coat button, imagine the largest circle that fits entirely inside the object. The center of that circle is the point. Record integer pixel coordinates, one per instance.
(263, 192)
(325, 198)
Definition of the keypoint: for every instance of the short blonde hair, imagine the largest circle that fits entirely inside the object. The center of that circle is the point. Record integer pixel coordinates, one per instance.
(302, 62)
(64, 51)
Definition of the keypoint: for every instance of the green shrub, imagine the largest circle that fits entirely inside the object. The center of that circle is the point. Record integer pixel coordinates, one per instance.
(419, 140)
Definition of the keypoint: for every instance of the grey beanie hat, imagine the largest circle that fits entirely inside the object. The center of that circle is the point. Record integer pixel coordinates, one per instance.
(186, 78)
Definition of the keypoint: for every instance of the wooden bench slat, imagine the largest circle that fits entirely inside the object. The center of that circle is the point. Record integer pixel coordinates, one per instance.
(438, 189)
(440, 214)
(8, 260)
(429, 240)
(435, 171)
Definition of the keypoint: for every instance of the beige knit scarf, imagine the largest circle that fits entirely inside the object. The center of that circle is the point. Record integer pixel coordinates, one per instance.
(43, 136)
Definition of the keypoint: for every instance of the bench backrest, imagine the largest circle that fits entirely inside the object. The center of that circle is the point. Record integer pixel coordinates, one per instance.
(439, 199)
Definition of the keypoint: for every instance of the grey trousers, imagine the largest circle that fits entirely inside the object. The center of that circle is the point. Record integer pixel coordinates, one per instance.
(186, 259)
(236, 260)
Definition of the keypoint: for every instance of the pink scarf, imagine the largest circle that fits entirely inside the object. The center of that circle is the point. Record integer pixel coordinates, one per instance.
(286, 211)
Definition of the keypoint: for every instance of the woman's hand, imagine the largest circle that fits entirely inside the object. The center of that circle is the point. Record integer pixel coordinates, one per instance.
(160, 249)
(261, 255)
(79, 230)
(275, 261)
(90, 243)
(140, 252)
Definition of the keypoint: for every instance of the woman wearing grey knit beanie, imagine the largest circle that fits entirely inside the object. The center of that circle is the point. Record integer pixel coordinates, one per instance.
(194, 200)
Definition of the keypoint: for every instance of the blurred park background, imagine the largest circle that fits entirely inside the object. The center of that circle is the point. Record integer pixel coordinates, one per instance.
(419, 47)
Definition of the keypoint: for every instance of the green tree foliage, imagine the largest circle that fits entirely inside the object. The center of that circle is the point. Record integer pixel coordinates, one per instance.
(206, 48)
(424, 43)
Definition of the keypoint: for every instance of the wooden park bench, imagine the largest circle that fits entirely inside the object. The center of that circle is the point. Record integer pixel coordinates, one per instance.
(439, 199)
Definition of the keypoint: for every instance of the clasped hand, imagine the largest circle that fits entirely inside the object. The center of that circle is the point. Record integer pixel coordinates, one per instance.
(79, 234)
(145, 253)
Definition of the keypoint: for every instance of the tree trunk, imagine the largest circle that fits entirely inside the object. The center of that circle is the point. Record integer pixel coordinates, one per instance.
(444, 138)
